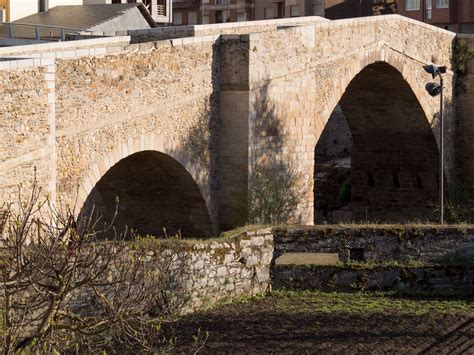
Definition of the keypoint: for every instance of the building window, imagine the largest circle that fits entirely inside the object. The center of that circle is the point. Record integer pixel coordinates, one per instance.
(205, 19)
(177, 18)
(192, 18)
(295, 10)
(241, 16)
(318, 10)
(428, 9)
(222, 16)
(442, 4)
(419, 182)
(396, 180)
(370, 180)
(412, 5)
(281, 9)
(269, 12)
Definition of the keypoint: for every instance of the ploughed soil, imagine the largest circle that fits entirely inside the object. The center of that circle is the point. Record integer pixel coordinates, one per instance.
(314, 322)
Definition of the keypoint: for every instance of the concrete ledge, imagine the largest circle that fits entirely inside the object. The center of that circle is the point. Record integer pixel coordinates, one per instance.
(308, 259)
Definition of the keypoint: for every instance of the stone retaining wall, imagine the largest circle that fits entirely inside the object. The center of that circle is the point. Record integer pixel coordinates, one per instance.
(213, 271)
(378, 244)
(331, 278)
(223, 270)
(406, 258)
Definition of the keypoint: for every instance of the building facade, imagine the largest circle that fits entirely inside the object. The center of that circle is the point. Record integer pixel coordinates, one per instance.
(221, 11)
(15, 9)
(186, 12)
(339, 9)
(269, 9)
(453, 15)
(191, 12)
(12, 10)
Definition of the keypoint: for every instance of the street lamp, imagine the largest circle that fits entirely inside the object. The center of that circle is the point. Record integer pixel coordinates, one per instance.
(435, 89)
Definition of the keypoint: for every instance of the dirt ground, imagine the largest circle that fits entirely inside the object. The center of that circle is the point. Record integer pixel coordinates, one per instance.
(313, 322)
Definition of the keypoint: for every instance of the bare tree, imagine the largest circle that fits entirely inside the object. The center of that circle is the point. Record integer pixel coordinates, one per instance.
(272, 196)
(65, 286)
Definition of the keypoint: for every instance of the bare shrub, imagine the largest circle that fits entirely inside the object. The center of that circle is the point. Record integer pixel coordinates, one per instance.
(271, 197)
(65, 286)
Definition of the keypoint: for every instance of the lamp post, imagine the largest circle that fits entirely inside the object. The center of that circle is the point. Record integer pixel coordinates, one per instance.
(435, 89)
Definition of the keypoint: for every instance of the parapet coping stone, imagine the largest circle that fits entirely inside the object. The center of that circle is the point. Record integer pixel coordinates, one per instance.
(62, 46)
(34, 53)
(306, 20)
(292, 20)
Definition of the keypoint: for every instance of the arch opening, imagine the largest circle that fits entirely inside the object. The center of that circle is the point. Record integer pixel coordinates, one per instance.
(152, 193)
(388, 170)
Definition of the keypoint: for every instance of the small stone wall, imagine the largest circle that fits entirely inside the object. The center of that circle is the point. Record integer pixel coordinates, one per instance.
(213, 270)
(238, 267)
(331, 278)
(414, 258)
(378, 244)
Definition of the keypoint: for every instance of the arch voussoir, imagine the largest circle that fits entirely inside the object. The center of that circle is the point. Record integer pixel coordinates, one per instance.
(145, 142)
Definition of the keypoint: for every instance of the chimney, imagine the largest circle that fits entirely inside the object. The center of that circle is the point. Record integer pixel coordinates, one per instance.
(43, 5)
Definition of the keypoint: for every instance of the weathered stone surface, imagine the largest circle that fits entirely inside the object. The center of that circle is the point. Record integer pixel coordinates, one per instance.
(219, 106)
(378, 244)
(329, 278)
(212, 278)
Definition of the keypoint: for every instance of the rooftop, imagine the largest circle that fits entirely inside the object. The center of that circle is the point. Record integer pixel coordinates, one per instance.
(82, 17)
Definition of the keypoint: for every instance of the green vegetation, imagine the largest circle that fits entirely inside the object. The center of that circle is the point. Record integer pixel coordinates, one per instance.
(462, 57)
(370, 265)
(287, 322)
(364, 302)
(453, 261)
(345, 191)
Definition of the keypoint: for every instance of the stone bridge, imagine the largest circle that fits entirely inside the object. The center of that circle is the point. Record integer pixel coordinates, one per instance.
(175, 127)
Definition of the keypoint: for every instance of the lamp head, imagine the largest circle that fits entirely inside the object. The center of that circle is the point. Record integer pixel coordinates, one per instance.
(434, 70)
(434, 89)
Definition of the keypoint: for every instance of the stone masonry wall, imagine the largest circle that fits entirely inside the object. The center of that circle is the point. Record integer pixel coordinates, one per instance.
(27, 130)
(112, 100)
(405, 258)
(378, 244)
(240, 265)
(301, 74)
(213, 270)
(158, 97)
(223, 270)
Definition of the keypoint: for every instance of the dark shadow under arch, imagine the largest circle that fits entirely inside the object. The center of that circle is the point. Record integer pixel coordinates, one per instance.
(394, 151)
(154, 192)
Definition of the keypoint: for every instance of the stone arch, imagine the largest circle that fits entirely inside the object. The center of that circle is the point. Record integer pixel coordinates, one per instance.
(391, 122)
(162, 159)
(385, 54)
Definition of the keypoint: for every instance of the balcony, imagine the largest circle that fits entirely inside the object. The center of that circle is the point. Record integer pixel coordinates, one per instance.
(160, 10)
